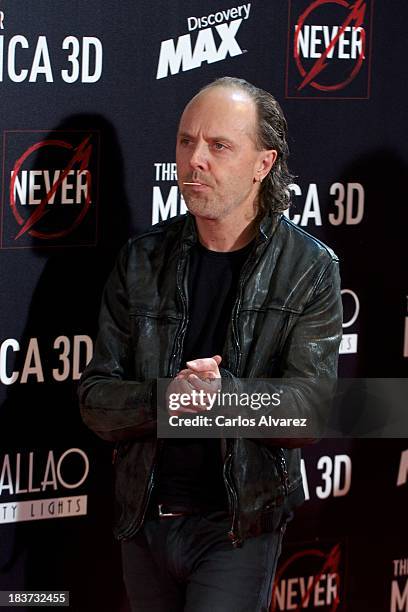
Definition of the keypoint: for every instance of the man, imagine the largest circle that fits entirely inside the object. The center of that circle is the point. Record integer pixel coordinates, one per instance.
(232, 289)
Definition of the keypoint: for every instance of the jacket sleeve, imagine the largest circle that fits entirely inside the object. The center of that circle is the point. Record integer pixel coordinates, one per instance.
(309, 359)
(113, 405)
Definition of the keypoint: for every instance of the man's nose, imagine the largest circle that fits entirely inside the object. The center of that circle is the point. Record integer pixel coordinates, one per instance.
(199, 157)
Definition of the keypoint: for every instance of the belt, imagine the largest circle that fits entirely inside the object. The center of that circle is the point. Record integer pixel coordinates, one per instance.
(165, 511)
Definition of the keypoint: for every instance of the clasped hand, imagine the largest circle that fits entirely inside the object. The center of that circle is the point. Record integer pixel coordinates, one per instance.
(200, 375)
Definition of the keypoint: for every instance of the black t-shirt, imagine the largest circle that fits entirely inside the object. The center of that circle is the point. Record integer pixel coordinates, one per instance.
(212, 288)
(190, 471)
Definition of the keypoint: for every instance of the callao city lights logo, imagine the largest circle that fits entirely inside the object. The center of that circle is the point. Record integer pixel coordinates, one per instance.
(351, 311)
(40, 484)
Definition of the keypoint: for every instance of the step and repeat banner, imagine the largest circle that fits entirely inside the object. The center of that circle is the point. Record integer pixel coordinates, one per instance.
(91, 93)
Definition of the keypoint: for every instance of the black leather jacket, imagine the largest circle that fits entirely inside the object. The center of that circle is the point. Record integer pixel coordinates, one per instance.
(286, 321)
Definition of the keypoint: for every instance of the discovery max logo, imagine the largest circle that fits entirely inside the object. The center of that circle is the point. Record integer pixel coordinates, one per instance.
(216, 39)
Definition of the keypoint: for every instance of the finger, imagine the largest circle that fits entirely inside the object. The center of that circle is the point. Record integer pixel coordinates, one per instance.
(183, 374)
(186, 410)
(179, 386)
(197, 382)
(201, 365)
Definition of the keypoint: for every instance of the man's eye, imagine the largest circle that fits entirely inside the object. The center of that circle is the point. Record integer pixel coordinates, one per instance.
(184, 141)
(219, 146)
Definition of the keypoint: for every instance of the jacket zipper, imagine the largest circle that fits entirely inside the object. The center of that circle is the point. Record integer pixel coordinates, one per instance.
(134, 527)
(181, 332)
(283, 471)
(232, 495)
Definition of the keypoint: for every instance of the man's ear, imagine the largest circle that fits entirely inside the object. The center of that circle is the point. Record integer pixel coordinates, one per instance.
(267, 159)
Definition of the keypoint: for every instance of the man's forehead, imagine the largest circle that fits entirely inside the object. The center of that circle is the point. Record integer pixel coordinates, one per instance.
(231, 106)
(222, 97)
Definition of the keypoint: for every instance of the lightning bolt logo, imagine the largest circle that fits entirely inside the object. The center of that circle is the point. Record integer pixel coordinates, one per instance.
(81, 155)
(331, 564)
(356, 13)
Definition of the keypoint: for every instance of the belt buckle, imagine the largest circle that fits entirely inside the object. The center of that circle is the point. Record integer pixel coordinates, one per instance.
(168, 514)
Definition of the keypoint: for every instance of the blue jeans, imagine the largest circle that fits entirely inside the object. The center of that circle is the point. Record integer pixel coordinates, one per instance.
(187, 564)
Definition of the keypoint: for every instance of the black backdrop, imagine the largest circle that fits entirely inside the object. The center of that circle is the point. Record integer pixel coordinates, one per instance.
(91, 93)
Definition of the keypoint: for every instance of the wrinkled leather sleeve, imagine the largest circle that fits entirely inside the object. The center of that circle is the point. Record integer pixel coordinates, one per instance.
(310, 357)
(113, 405)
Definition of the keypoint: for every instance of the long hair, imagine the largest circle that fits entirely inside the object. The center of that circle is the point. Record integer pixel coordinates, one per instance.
(271, 133)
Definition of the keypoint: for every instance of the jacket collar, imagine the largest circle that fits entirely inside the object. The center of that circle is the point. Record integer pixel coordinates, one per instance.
(189, 231)
(268, 225)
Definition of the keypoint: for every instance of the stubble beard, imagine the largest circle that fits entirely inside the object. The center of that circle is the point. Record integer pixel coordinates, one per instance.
(202, 207)
(209, 208)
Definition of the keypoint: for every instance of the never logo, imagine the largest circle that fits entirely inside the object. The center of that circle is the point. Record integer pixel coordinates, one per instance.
(329, 49)
(310, 578)
(49, 188)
